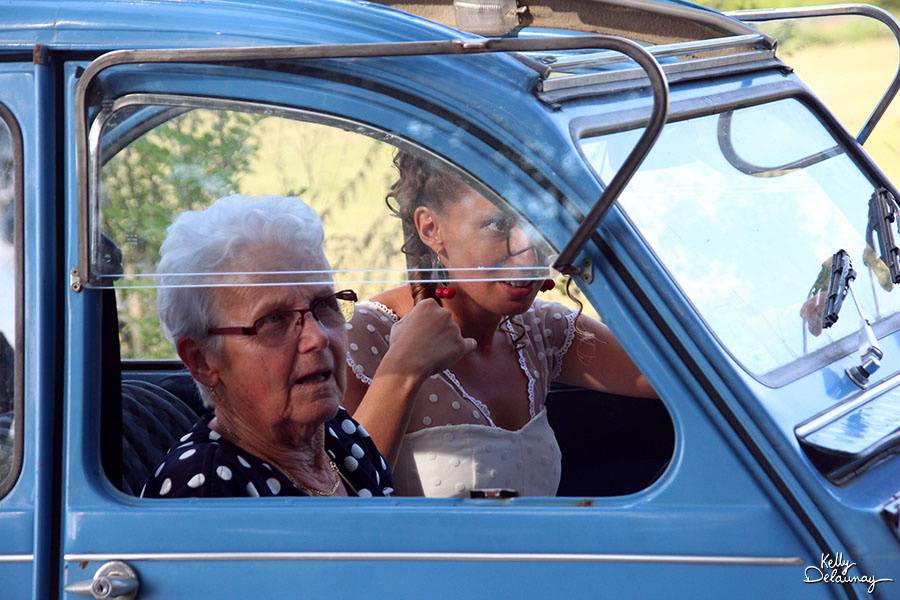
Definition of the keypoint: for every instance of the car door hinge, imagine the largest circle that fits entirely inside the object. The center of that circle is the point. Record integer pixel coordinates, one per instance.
(75, 281)
(40, 55)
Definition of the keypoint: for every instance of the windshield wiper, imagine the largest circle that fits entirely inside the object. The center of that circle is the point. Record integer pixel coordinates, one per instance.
(882, 213)
(842, 274)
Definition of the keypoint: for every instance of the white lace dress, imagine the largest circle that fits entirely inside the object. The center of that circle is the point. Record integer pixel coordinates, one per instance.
(453, 445)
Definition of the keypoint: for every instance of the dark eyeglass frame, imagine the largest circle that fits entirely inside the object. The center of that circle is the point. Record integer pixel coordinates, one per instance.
(347, 295)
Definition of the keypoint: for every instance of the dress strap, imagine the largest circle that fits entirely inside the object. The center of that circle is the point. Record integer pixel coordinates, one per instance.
(478, 404)
(524, 366)
(380, 307)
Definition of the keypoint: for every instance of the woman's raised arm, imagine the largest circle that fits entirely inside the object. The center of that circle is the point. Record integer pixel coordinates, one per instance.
(423, 342)
(596, 361)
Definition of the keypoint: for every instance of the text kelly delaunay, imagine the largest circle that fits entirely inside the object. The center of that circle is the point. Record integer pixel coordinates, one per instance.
(836, 569)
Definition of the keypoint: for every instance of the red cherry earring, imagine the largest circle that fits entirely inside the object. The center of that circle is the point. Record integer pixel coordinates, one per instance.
(444, 293)
(548, 285)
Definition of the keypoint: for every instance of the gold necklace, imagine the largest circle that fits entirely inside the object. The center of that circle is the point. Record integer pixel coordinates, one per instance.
(314, 491)
(347, 484)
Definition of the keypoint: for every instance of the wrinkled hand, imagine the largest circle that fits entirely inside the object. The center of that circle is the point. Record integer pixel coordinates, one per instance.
(427, 340)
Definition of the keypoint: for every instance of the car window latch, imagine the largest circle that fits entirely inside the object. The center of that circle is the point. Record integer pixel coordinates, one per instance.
(842, 274)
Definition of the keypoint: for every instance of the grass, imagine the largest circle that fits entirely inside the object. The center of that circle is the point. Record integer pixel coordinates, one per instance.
(847, 61)
(727, 5)
(850, 74)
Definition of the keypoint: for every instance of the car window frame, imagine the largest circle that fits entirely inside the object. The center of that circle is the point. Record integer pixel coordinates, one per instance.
(98, 156)
(85, 109)
(15, 134)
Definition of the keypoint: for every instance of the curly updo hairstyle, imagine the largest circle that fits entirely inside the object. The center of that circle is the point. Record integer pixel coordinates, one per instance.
(420, 183)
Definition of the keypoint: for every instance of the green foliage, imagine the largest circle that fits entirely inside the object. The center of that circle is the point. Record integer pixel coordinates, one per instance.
(727, 5)
(182, 165)
(189, 161)
(344, 177)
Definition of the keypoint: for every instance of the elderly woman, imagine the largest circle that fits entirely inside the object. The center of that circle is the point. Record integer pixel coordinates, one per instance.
(267, 356)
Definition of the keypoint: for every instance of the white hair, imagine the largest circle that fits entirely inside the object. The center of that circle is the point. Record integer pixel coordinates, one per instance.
(212, 241)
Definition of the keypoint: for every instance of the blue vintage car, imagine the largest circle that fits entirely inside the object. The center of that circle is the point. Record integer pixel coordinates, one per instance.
(700, 196)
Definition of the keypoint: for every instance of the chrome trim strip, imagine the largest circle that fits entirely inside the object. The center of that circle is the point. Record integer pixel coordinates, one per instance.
(862, 10)
(16, 558)
(572, 81)
(94, 135)
(837, 411)
(662, 50)
(778, 561)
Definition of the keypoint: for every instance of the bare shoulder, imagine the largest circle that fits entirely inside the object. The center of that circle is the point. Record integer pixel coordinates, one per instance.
(398, 299)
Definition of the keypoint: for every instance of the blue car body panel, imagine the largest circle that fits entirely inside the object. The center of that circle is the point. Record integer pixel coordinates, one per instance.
(739, 484)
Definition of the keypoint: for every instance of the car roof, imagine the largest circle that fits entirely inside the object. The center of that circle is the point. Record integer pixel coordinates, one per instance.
(115, 24)
(119, 24)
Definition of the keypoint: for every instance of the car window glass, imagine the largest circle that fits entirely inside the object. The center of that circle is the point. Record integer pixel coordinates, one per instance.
(747, 227)
(151, 174)
(9, 296)
(159, 161)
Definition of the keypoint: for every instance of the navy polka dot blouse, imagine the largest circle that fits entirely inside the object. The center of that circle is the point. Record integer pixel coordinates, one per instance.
(204, 464)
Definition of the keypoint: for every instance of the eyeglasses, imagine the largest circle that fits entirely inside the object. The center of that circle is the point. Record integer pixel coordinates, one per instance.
(281, 326)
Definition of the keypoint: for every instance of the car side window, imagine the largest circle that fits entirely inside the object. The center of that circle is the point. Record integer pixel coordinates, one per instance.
(151, 174)
(194, 158)
(10, 300)
(159, 161)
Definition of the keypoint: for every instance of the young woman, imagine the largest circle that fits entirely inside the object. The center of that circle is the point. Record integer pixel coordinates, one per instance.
(453, 394)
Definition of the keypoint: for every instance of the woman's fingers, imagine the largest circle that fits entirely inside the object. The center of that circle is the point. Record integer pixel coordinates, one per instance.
(429, 337)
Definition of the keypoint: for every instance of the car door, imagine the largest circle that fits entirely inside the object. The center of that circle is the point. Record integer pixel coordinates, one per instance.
(714, 523)
(28, 484)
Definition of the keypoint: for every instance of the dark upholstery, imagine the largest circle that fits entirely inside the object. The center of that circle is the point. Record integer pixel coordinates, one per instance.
(110, 390)
(7, 422)
(183, 387)
(152, 421)
(7, 374)
(611, 445)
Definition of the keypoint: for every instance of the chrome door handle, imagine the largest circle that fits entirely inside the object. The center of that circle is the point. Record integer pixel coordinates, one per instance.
(114, 579)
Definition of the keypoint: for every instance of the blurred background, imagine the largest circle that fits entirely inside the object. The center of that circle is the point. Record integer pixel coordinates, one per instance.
(201, 155)
(847, 61)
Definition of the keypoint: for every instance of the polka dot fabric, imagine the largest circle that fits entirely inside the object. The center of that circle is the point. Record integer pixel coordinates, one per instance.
(204, 464)
(549, 329)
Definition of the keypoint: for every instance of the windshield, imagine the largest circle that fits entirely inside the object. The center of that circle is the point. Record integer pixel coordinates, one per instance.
(747, 228)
